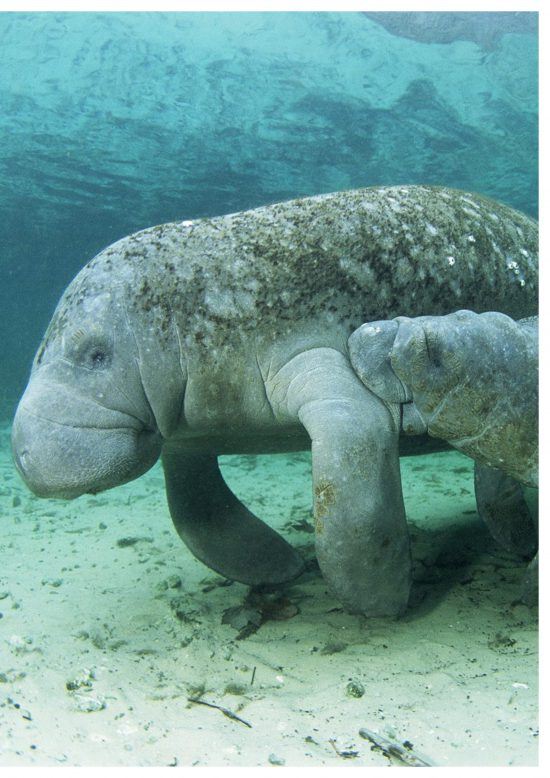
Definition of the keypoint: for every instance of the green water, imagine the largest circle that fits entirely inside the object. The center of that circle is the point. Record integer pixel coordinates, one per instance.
(115, 122)
(108, 626)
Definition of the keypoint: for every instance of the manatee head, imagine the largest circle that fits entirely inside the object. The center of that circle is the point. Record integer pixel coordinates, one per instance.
(446, 362)
(473, 377)
(91, 417)
(434, 365)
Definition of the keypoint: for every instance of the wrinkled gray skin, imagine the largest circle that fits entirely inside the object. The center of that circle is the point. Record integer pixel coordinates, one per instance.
(229, 335)
(472, 380)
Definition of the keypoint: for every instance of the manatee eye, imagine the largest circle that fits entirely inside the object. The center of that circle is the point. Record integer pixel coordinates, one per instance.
(435, 357)
(96, 355)
(435, 350)
(98, 358)
(92, 352)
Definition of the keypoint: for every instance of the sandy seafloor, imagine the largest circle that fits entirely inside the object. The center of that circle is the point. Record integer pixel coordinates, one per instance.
(109, 627)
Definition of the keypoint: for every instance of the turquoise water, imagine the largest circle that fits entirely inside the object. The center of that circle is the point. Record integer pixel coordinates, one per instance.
(110, 630)
(114, 122)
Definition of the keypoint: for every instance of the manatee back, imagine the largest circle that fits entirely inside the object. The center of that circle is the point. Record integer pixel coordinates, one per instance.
(344, 258)
(330, 262)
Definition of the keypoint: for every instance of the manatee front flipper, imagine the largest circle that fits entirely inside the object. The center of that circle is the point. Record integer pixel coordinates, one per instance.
(502, 506)
(361, 533)
(218, 529)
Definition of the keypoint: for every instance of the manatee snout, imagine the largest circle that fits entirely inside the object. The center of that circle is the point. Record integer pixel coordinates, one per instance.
(411, 362)
(58, 456)
(370, 347)
(373, 349)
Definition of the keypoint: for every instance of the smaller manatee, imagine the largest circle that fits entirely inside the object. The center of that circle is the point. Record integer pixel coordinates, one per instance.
(468, 378)
(472, 380)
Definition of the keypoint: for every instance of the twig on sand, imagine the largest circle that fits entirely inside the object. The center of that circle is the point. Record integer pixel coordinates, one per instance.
(349, 754)
(393, 750)
(225, 711)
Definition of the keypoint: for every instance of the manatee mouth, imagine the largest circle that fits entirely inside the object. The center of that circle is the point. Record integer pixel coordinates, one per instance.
(63, 460)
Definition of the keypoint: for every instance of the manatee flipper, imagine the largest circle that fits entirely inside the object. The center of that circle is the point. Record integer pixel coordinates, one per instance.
(502, 506)
(361, 533)
(218, 529)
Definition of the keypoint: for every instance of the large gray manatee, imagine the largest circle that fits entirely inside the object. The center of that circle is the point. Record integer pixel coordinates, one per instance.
(229, 335)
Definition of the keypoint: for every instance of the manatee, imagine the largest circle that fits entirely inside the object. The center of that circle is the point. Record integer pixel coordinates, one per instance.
(472, 380)
(228, 335)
